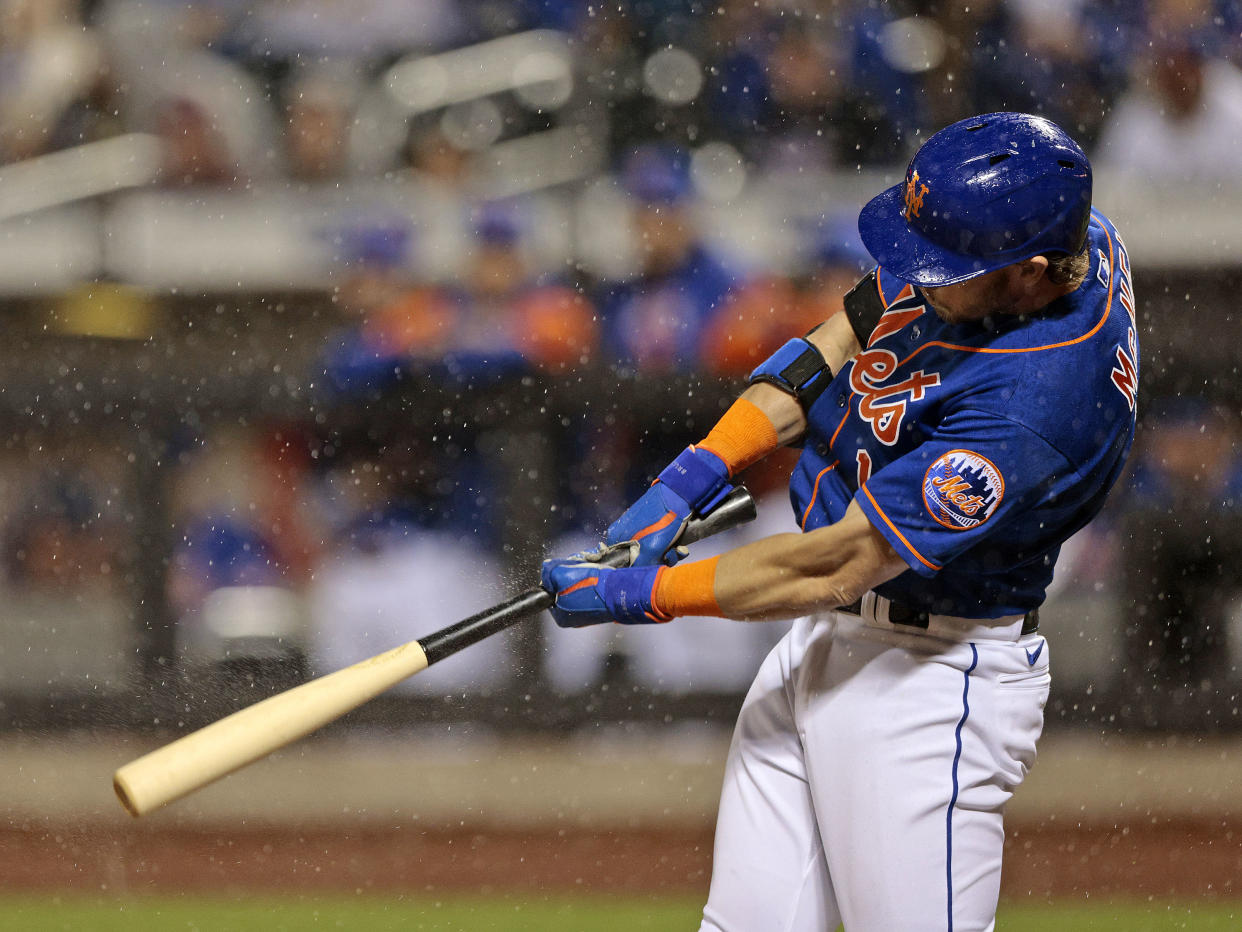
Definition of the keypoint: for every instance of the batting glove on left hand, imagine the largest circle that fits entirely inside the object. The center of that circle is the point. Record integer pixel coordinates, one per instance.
(590, 594)
(693, 484)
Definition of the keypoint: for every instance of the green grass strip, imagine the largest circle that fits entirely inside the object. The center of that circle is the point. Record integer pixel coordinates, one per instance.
(521, 913)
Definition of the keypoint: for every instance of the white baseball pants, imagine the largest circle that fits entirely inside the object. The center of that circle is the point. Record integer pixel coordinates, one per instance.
(868, 776)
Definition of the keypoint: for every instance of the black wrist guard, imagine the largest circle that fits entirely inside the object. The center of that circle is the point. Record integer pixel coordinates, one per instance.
(864, 308)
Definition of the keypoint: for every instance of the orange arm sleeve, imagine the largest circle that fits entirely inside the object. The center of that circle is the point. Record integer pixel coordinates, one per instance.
(744, 435)
(687, 589)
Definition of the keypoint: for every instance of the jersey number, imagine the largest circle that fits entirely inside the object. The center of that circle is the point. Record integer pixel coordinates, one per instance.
(864, 468)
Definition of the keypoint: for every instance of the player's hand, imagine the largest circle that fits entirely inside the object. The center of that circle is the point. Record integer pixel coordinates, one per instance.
(692, 485)
(591, 594)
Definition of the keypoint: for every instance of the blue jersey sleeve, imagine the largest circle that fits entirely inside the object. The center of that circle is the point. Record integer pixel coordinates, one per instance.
(979, 479)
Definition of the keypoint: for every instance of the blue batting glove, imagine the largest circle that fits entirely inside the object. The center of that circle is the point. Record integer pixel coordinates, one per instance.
(590, 594)
(693, 484)
(655, 521)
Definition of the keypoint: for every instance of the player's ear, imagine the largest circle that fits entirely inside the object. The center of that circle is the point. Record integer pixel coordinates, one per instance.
(1031, 272)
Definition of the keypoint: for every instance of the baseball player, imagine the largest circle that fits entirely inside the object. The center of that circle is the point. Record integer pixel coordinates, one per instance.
(966, 414)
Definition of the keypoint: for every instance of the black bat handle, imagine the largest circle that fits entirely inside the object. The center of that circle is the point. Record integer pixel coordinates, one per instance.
(450, 640)
(737, 508)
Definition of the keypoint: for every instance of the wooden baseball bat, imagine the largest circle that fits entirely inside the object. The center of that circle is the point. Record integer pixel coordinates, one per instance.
(218, 749)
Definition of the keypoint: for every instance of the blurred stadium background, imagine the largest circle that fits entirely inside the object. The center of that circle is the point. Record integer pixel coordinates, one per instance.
(324, 322)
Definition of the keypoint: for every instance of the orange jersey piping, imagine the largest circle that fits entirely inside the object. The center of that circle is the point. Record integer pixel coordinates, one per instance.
(815, 492)
(900, 536)
(1108, 307)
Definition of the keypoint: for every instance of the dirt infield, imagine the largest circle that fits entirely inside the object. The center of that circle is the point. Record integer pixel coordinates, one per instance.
(1181, 860)
(1098, 818)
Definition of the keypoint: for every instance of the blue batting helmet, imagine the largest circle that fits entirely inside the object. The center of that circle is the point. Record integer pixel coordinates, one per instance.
(981, 194)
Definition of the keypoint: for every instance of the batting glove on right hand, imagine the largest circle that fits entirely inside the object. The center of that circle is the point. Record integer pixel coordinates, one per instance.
(591, 594)
(692, 485)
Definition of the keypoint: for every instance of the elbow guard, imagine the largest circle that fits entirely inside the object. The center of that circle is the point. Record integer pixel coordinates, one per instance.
(864, 307)
(798, 368)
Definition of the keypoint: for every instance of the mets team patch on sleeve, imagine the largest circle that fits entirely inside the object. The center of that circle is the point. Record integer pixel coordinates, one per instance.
(962, 489)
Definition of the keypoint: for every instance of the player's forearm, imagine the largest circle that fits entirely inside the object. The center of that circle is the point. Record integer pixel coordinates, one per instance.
(755, 425)
(766, 417)
(781, 409)
(794, 574)
(785, 575)
(835, 339)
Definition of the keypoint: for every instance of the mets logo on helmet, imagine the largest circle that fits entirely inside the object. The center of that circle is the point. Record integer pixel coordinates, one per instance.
(914, 195)
(962, 489)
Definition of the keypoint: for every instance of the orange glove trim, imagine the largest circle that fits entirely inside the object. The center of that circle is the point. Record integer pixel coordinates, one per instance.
(744, 435)
(660, 525)
(686, 589)
(580, 584)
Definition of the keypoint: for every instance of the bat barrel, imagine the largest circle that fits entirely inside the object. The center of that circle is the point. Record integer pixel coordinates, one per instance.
(210, 753)
(125, 793)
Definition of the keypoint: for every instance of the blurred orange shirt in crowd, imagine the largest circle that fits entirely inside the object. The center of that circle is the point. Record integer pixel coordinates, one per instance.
(417, 323)
(551, 326)
(759, 318)
(555, 327)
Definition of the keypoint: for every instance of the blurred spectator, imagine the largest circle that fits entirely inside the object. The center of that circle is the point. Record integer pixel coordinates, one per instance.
(752, 324)
(500, 317)
(771, 309)
(232, 599)
(245, 544)
(409, 530)
(883, 106)
(805, 92)
(613, 73)
(837, 84)
(433, 157)
(195, 152)
(398, 581)
(738, 90)
(49, 65)
(1182, 120)
(70, 558)
(806, 76)
(1183, 547)
(216, 120)
(215, 550)
(497, 321)
(506, 315)
(388, 324)
(61, 538)
(244, 489)
(840, 84)
(510, 320)
(318, 105)
(1066, 60)
(655, 320)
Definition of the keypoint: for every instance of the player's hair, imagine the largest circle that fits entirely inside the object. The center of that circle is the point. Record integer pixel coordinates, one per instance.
(1070, 270)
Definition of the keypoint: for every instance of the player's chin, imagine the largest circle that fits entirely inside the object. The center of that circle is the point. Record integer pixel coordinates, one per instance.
(952, 315)
(947, 314)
